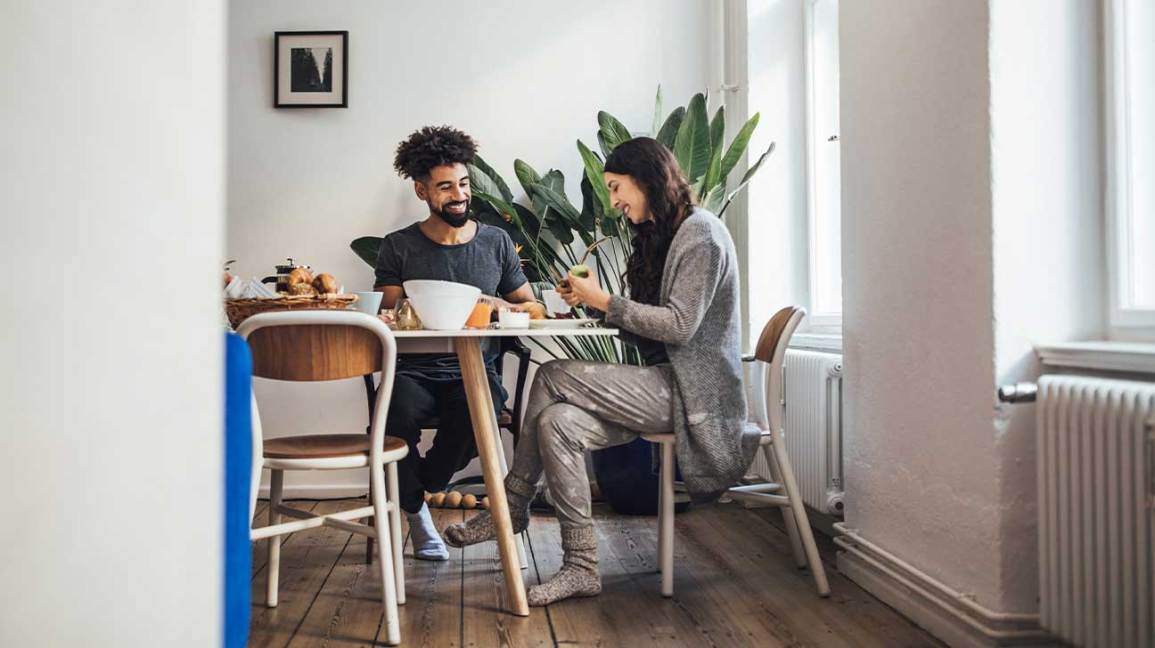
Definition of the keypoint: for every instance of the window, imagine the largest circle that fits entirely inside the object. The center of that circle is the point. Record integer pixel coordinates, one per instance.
(1130, 118)
(824, 213)
(791, 230)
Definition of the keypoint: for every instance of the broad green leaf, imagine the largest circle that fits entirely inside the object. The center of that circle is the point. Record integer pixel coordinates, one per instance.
(563, 218)
(479, 181)
(713, 200)
(657, 113)
(738, 147)
(717, 128)
(502, 208)
(746, 177)
(669, 129)
(593, 170)
(558, 202)
(692, 144)
(713, 170)
(503, 189)
(604, 145)
(529, 221)
(613, 130)
(525, 174)
(550, 218)
(591, 207)
(366, 247)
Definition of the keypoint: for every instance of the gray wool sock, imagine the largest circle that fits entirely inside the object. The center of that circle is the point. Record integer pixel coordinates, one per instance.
(479, 528)
(578, 575)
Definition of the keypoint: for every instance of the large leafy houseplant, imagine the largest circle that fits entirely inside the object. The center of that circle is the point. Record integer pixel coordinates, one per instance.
(552, 234)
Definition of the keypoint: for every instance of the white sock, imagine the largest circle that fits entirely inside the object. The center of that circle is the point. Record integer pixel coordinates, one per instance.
(427, 542)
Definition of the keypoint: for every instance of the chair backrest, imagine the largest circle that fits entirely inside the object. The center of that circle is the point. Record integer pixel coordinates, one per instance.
(771, 351)
(323, 345)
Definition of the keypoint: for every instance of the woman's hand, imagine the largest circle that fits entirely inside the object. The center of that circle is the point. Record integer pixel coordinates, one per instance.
(587, 291)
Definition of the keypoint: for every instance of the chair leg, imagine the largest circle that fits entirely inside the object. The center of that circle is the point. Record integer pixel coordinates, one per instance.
(666, 520)
(519, 541)
(273, 572)
(385, 555)
(800, 518)
(787, 514)
(393, 496)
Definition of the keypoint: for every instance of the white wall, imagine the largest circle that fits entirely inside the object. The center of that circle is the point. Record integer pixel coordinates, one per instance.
(110, 406)
(1046, 145)
(971, 221)
(778, 241)
(525, 79)
(920, 455)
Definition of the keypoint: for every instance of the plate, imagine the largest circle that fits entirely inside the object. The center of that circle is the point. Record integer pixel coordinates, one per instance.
(561, 323)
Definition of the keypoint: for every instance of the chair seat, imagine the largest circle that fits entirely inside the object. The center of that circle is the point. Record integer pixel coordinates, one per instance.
(324, 446)
(662, 437)
(504, 420)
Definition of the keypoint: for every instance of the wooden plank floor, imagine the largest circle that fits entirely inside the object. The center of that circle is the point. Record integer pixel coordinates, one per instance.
(735, 584)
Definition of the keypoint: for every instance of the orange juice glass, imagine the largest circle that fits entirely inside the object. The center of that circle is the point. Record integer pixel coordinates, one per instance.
(479, 318)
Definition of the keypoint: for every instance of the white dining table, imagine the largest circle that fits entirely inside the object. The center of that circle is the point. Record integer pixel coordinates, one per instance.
(466, 343)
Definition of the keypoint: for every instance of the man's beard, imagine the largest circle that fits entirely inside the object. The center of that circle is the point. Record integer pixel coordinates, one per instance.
(451, 219)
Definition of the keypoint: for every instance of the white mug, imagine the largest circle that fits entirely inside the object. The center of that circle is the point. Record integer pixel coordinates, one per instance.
(553, 302)
(368, 302)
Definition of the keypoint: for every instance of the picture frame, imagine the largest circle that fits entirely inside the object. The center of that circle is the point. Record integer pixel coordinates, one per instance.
(311, 69)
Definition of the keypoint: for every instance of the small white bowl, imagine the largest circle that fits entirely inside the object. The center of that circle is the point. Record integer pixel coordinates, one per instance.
(368, 302)
(441, 305)
(510, 319)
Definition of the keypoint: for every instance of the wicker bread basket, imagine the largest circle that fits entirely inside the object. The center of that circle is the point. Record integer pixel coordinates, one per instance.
(238, 310)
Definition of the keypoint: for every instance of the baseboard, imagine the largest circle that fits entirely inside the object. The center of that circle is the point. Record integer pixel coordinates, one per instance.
(316, 491)
(931, 605)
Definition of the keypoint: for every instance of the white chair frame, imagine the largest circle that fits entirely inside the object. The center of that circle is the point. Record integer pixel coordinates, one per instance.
(381, 463)
(768, 389)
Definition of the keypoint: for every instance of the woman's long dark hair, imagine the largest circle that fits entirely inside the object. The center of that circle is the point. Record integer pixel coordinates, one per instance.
(670, 200)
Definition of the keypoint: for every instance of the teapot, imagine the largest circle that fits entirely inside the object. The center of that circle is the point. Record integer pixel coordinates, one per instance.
(282, 276)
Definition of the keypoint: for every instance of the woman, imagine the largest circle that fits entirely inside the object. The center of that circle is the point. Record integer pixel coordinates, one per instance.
(683, 315)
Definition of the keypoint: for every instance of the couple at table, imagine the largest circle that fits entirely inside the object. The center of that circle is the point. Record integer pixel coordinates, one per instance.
(682, 313)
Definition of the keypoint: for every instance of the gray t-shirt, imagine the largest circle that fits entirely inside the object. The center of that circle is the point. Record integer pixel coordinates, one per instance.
(488, 260)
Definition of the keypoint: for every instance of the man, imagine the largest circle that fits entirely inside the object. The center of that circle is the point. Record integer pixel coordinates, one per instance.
(450, 246)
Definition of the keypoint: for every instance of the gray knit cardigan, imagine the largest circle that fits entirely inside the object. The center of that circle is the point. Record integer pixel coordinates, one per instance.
(698, 320)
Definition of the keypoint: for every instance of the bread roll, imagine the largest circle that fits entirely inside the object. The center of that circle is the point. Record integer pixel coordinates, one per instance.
(469, 501)
(325, 283)
(453, 499)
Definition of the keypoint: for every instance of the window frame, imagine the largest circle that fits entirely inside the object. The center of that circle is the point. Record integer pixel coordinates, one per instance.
(1125, 322)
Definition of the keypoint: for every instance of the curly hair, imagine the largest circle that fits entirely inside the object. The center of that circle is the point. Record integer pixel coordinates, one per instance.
(670, 200)
(430, 147)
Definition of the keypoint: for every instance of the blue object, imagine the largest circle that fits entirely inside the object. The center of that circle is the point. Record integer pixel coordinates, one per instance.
(628, 478)
(238, 466)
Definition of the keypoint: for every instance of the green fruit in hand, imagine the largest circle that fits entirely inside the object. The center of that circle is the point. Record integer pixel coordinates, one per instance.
(582, 271)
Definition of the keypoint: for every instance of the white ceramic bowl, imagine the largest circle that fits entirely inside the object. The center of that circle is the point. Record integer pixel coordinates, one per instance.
(441, 305)
(513, 319)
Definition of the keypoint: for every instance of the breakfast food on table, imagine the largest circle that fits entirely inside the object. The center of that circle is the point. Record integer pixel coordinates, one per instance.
(325, 284)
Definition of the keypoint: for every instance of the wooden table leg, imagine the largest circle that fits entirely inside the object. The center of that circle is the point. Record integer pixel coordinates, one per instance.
(486, 431)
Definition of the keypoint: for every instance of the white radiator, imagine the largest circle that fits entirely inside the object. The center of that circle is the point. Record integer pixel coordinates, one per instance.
(813, 394)
(1096, 572)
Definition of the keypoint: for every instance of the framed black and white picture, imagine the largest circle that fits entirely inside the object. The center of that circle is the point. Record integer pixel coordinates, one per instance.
(311, 69)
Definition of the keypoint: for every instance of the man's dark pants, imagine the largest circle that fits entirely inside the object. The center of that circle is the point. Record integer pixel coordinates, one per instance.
(417, 399)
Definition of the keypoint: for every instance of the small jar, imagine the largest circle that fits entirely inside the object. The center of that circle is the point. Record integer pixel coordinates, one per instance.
(407, 317)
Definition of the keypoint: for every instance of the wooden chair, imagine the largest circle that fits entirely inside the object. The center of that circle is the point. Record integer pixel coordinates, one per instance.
(769, 357)
(331, 345)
